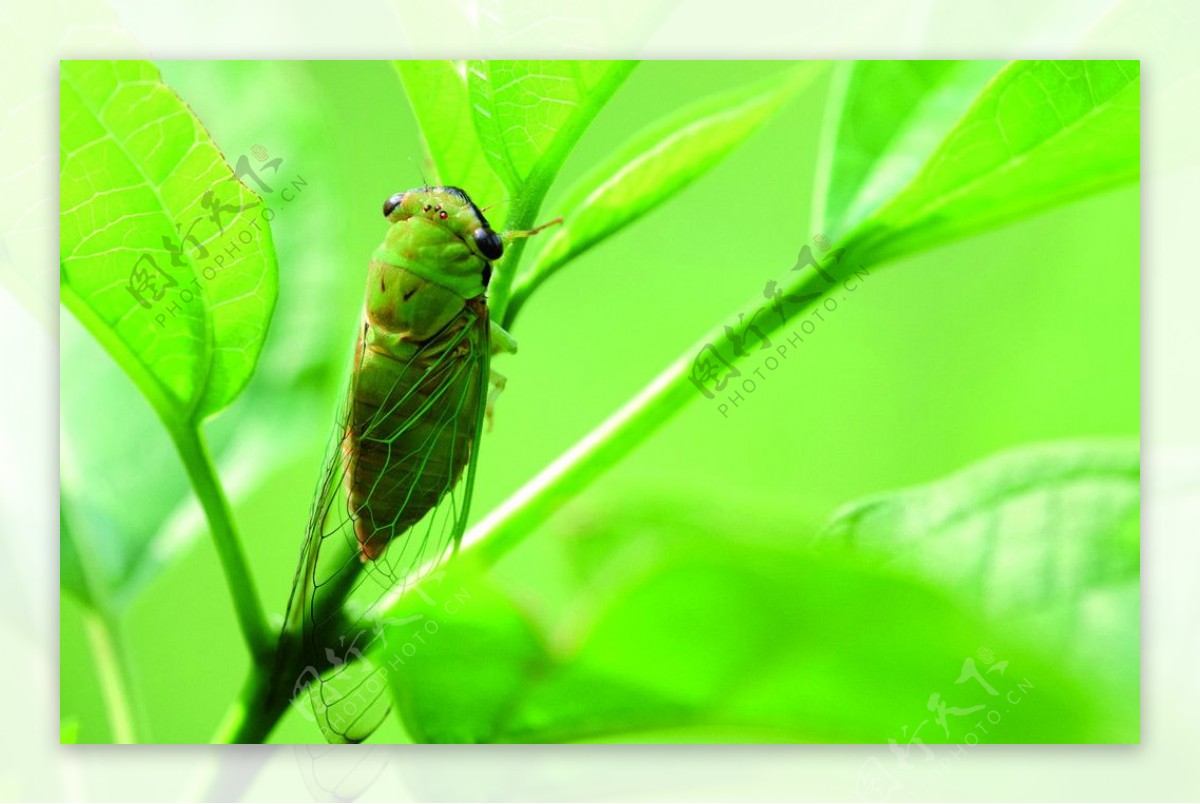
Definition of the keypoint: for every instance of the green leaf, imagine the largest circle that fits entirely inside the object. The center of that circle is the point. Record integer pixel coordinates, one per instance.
(655, 165)
(1042, 539)
(437, 92)
(166, 258)
(712, 636)
(144, 515)
(890, 118)
(1042, 133)
(139, 174)
(529, 114)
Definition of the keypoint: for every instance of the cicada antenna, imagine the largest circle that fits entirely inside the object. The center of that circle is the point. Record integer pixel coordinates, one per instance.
(420, 172)
(531, 232)
(495, 204)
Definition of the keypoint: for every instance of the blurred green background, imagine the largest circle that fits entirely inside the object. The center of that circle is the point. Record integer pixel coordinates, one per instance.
(1025, 334)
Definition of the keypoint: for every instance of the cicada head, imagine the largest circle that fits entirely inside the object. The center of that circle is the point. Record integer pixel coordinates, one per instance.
(439, 234)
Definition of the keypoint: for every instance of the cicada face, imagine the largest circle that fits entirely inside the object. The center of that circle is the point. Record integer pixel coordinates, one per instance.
(441, 226)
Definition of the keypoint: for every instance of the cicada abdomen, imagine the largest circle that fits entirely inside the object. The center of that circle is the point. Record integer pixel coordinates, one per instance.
(414, 419)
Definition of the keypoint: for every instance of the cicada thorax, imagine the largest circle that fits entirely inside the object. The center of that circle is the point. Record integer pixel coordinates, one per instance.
(413, 422)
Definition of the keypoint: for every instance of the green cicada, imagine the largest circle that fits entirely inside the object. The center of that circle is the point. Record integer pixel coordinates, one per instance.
(396, 486)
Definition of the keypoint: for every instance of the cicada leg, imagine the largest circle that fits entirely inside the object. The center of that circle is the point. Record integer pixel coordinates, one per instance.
(502, 343)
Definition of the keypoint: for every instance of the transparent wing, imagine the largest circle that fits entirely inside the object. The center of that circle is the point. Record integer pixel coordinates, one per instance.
(417, 452)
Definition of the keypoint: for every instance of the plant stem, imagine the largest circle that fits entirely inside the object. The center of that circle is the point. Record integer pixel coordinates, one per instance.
(114, 667)
(196, 458)
(189, 441)
(115, 672)
(616, 436)
(500, 290)
(253, 715)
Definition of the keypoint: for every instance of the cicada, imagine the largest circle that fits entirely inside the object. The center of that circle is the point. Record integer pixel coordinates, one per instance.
(396, 485)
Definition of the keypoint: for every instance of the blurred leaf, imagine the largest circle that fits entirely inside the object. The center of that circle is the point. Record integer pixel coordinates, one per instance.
(72, 576)
(1042, 133)
(712, 635)
(139, 176)
(529, 114)
(121, 481)
(1043, 540)
(482, 623)
(890, 118)
(68, 731)
(656, 164)
(437, 92)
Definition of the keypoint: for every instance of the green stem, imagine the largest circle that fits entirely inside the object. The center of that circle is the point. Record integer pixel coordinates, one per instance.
(253, 715)
(615, 437)
(189, 441)
(115, 673)
(499, 292)
(114, 666)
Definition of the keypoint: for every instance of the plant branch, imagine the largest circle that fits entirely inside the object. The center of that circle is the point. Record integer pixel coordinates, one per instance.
(115, 672)
(253, 715)
(106, 638)
(193, 451)
(189, 441)
(618, 435)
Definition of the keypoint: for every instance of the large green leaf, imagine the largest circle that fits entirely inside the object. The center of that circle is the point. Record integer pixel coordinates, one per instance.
(655, 165)
(121, 476)
(1042, 539)
(437, 92)
(529, 114)
(147, 196)
(884, 120)
(1042, 133)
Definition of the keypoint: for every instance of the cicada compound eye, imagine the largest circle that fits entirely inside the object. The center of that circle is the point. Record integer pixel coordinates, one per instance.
(390, 205)
(490, 244)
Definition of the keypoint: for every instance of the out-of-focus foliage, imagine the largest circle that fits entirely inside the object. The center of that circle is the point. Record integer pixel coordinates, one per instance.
(804, 642)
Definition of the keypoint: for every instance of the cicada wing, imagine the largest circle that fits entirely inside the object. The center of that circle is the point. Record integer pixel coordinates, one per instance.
(334, 610)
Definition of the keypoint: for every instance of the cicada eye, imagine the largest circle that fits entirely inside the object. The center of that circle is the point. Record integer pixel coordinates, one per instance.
(490, 244)
(390, 205)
